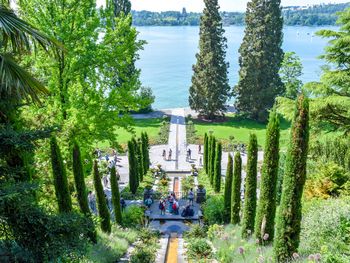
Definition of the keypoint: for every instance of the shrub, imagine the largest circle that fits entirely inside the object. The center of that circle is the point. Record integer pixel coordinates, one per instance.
(327, 181)
(133, 216)
(143, 254)
(197, 231)
(326, 230)
(214, 210)
(198, 248)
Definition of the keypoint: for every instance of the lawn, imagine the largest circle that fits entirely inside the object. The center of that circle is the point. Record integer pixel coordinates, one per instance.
(151, 126)
(240, 129)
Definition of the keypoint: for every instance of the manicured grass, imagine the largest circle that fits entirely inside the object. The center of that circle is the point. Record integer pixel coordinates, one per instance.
(151, 126)
(239, 128)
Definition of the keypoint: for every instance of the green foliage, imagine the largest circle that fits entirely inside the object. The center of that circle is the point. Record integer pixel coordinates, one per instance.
(210, 88)
(145, 152)
(191, 133)
(133, 173)
(140, 159)
(145, 249)
(60, 178)
(228, 188)
(199, 250)
(197, 231)
(116, 197)
(212, 161)
(260, 60)
(206, 152)
(214, 210)
(80, 180)
(288, 218)
(101, 201)
(110, 247)
(328, 180)
(133, 216)
(250, 185)
(41, 236)
(266, 209)
(187, 183)
(290, 72)
(236, 189)
(326, 230)
(217, 168)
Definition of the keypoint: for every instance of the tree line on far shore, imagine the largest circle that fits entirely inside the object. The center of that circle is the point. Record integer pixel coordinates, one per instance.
(317, 15)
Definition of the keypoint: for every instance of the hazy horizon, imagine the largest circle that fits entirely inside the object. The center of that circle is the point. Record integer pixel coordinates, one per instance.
(198, 5)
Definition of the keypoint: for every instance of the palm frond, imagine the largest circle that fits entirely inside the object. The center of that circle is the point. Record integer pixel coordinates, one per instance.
(19, 33)
(17, 82)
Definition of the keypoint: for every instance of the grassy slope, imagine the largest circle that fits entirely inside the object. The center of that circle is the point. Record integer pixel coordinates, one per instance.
(240, 129)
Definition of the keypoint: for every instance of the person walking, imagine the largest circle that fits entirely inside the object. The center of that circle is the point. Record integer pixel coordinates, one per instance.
(191, 197)
(170, 153)
(164, 154)
(176, 207)
(189, 153)
(171, 202)
(148, 202)
(162, 206)
(200, 161)
(199, 149)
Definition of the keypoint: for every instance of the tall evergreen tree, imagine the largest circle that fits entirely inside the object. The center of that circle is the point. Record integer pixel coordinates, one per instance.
(265, 217)
(250, 188)
(210, 141)
(205, 152)
(289, 213)
(132, 167)
(210, 89)
(80, 180)
(121, 7)
(60, 178)
(145, 153)
(212, 160)
(236, 189)
(228, 187)
(140, 159)
(116, 197)
(260, 59)
(103, 211)
(147, 148)
(217, 168)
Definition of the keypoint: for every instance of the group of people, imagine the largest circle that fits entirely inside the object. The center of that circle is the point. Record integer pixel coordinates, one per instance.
(169, 155)
(171, 205)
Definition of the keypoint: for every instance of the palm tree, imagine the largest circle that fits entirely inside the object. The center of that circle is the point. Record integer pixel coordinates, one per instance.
(18, 37)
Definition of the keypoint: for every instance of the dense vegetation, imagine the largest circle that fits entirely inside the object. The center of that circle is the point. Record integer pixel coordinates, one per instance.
(317, 15)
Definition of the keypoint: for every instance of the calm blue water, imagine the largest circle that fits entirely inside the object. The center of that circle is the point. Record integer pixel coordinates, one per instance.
(166, 62)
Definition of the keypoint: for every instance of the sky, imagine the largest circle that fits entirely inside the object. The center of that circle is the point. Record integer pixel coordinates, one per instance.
(197, 5)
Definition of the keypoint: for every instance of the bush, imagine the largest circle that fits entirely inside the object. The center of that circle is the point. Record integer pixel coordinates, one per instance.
(326, 230)
(199, 249)
(329, 180)
(214, 210)
(146, 247)
(197, 231)
(143, 254)
(133, 216)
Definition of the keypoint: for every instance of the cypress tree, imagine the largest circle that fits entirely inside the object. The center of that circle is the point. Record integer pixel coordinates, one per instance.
(60, 178)
(121, 7)
(217, 168)
(265, 217)
(145, 154)
(236, 189)
(210, 140)
(140, 159)
(260, 59)
(250, 188)
(132, 167)
(210, 88)
(116, 197)
(228, 187)
(205, 152)
(212, 160)
(148, 161)
(103, 211)
(289, 213)
(80, 180)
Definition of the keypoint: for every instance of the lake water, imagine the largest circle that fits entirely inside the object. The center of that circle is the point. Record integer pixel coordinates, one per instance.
(166, 61)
